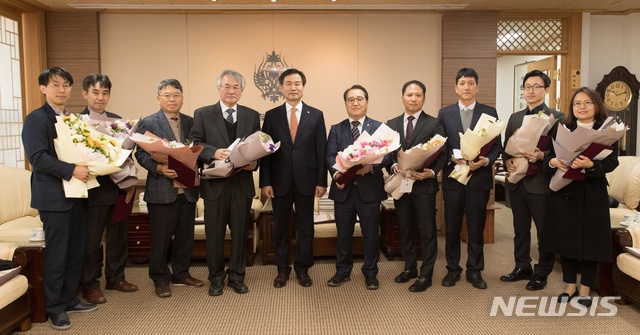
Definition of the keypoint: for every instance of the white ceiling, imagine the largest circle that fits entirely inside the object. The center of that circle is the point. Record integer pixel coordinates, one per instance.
(592, 6)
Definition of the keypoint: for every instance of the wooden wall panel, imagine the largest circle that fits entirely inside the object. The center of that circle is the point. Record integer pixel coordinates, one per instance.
(73, 43)
(469, 40)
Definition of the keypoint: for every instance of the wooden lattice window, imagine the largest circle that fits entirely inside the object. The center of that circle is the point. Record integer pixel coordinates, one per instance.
(530, 35)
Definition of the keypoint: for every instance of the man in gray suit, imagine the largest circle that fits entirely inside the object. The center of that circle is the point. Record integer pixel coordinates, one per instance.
(171, 210)
(227, 201)
(529, 195)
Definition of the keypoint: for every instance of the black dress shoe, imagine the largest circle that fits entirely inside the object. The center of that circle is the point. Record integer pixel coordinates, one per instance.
(585, 301)
(406, 275)
(517, 274)
(450, 280)
(59, 321)
(564, 297)
(338, 279)
(238, 286)
(216, 288)
(82, 307)
(536, 283)
(304, 280)
(420, 285)
(371, 282)
(477, 281)
(281, 280)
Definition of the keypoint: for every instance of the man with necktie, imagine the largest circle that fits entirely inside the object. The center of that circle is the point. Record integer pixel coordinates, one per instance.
(294, 174)
(227, 201)
(470, 199)
(360, 198)
(417, 208)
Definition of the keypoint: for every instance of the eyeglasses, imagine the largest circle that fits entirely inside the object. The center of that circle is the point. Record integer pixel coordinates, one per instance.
(352, 101)
(57, 86)
(530, 87)
(231, 88)
(167, 96)
(577, 104)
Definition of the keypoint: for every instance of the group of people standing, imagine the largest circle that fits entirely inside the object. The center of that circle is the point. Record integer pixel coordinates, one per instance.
(295, 175)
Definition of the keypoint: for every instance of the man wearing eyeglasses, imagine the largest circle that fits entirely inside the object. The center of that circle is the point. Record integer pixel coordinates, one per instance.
(63, 218)
(529, 196)
(172, 210)
(227, 201)
(359, 198)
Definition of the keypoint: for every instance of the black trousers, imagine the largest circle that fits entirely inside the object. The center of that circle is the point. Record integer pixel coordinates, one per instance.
(457, 203)
(231, 208)
(116, 251)
(526, 206)
(282, 207)
(63, 256)
(369, 214)
(571, 268)
(418, 210)
(171, 228)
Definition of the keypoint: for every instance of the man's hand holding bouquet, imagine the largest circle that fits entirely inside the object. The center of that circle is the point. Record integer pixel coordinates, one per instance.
(474, 144)
(524, 145)
(417, 158)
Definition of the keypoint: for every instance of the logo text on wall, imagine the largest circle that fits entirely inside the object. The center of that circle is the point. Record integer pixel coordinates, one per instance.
(549, 306)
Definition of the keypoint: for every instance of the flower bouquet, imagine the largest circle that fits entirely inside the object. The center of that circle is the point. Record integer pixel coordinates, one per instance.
(592, 143)
(80, 144)
(475, 143)
(242, 152)
(178, 156)
(418, 158)
(367, 149)
(532, 134)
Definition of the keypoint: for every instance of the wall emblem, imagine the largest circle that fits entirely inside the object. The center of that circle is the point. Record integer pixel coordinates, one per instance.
(266, 76)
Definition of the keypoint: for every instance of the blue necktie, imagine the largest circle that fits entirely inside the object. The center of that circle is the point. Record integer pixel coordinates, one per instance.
(230, 115)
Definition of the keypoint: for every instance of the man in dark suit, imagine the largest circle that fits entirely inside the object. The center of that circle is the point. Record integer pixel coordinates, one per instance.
(529, 196)
(471, 199)
(226, 200)
(96, 89)
(172, 210)
(294, 174)
(62, 217)
(417, 208)
(360, 198)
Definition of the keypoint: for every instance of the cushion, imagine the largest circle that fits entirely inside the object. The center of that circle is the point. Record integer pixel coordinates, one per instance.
(624, 181)
(12, 290)
(15, 204)
(629, 264)
(7, 275)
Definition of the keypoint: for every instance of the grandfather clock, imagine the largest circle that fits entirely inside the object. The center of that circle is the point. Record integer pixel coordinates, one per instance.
(619, 91)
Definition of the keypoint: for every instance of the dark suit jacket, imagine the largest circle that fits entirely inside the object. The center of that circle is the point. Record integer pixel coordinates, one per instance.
(482, 178)
(426, 127)
(107, 192)
(209, 130)
(539, 183)
(370, 185)
(159, 189)
(302, 162)
(38, 132)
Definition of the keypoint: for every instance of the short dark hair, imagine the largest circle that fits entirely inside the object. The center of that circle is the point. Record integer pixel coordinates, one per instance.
(291, 71)
(169, 82)
(416, 82)
(467, 72)
(356, 87)
(96, 78)
(537, 73)
(45, 76)
(601, 111)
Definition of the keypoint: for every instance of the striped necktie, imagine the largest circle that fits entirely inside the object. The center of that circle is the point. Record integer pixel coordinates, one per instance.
(355, 133)
(230, 115)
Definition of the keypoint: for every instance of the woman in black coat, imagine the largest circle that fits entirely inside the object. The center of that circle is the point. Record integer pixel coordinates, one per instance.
(579, 227)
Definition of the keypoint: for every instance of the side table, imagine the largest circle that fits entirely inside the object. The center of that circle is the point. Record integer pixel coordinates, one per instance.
(390, 243)
(267, 227)
(31, 257)
(139, 236)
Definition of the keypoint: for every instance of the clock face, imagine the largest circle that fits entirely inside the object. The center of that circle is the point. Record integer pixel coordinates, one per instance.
(617, 96)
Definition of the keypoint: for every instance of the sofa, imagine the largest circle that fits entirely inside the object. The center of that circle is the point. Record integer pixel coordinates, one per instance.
(624, 186)
(15, 311)
(626, 269)
(253, 234)
(17, 218)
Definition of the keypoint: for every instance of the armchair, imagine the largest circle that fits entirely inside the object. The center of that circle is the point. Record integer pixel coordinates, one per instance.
(624, 186)
(15, 311)
(626, 269)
